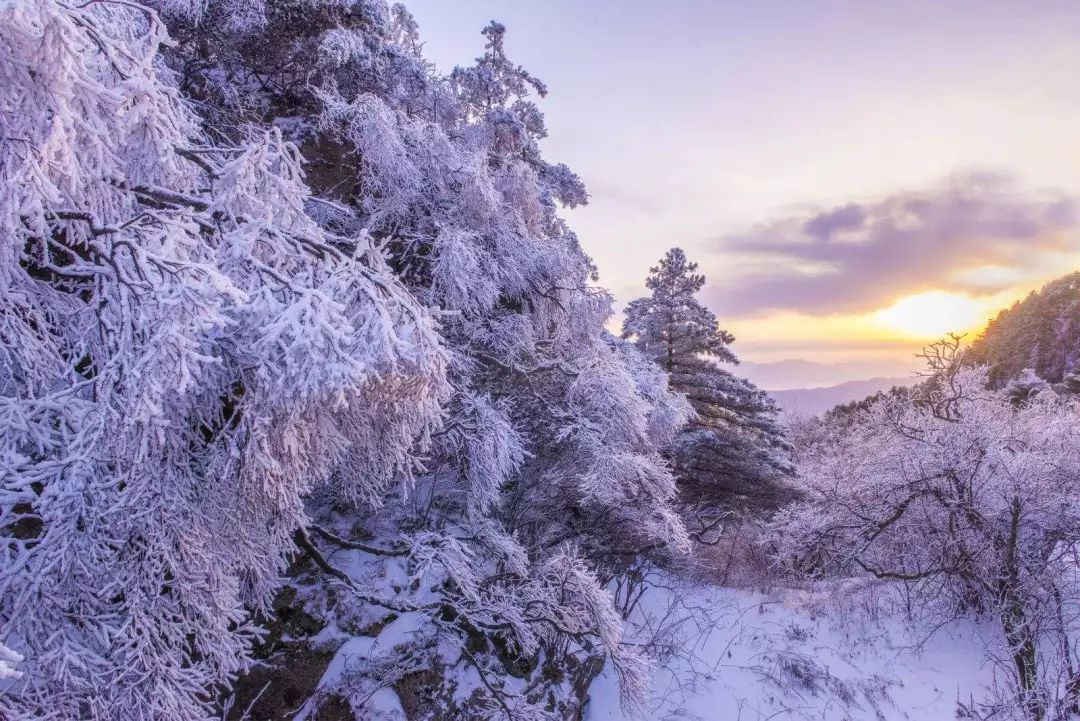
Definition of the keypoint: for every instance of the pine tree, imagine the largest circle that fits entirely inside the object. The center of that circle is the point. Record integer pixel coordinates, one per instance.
(734, 452)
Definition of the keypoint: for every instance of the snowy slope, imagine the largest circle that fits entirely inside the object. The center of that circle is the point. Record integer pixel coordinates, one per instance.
(774, 657)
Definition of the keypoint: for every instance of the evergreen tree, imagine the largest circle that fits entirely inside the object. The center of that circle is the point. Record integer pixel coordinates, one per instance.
(734, 452)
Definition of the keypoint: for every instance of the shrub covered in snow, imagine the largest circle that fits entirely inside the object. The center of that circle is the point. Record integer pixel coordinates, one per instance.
(967, 499)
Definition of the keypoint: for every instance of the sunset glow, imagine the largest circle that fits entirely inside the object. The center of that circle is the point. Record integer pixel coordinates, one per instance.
(858, 189)
(932, 314)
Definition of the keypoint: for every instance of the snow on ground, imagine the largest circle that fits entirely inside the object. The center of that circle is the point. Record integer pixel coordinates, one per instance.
(780, 657)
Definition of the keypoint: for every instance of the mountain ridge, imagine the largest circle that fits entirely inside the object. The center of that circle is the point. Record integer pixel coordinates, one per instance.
(1041, 332)
(817, 400)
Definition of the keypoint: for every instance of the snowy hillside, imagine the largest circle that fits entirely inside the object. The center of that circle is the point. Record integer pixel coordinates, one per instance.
(1041, 332)
(781, 656)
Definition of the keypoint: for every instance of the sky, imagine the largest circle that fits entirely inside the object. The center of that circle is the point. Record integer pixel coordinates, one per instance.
(854, 178)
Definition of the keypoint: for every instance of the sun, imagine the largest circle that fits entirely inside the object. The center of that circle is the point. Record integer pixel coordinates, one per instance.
(932, 314)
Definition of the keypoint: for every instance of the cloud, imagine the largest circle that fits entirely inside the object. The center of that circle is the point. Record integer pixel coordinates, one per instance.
(861, 256)
(823, 225)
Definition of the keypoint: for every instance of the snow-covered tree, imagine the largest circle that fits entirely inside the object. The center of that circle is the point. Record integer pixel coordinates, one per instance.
(734, 450)
(1025, 387)
(186, 355)
(272, 282)
(968, 500)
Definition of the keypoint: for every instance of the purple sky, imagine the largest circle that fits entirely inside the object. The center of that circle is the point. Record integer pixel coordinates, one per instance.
(823, 161)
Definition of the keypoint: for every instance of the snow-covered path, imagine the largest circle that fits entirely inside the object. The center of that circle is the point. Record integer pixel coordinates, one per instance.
(780, 657)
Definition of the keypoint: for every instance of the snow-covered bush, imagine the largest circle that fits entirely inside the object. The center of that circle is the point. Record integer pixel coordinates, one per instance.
(967, 500)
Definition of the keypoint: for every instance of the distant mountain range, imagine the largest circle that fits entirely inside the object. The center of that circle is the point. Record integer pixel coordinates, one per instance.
(795, 374)
(1041, 332)
(815, 401)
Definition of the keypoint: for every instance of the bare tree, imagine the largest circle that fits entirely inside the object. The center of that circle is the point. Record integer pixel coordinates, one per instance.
(967, 500)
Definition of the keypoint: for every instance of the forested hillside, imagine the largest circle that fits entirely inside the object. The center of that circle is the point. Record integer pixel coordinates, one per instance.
(1041, 332)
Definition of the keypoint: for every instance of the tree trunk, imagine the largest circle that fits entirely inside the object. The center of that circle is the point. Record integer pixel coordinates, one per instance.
(1018, 634)
(1022, 647)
